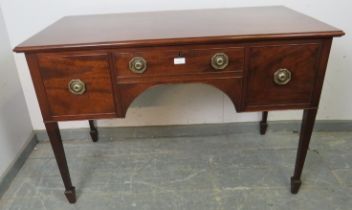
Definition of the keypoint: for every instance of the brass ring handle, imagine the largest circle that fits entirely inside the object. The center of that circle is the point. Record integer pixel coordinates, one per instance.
(138, 65)
(76, 87)
(282, 76)
(219, 61)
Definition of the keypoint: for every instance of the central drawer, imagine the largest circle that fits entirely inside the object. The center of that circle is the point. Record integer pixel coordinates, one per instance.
(154, 62)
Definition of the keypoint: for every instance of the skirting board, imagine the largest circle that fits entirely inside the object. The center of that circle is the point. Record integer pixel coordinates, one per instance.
(7, 178)
(196, 130)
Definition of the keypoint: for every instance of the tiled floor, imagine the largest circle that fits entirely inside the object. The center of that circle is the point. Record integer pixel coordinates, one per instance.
(220, 172)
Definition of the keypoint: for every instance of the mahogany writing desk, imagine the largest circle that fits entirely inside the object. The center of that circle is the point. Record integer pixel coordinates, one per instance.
(93, 67)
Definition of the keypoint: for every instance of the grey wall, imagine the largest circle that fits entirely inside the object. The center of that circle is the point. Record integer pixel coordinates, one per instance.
(15, 125)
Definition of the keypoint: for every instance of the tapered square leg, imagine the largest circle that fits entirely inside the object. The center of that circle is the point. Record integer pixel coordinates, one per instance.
(303, 145)
(93, 131)
(53, 131)
(263, 125)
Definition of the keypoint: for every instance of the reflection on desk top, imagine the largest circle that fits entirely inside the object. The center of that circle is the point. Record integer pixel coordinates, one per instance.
(177, 27)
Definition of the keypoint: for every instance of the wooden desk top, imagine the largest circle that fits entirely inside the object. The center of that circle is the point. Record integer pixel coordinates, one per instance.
(176, 27)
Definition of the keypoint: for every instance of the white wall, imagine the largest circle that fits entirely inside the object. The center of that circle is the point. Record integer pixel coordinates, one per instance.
(15, 125)
(194, 103)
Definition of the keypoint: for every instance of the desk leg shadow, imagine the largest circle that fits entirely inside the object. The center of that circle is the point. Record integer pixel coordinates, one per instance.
(263, 125)
(93, 131)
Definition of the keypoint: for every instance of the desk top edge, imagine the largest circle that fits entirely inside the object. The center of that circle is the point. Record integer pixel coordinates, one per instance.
(252, 23)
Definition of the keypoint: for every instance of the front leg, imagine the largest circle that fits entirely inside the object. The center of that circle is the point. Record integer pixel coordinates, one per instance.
(53, 131)
(93, 131)
(263, 125)
(303, 145)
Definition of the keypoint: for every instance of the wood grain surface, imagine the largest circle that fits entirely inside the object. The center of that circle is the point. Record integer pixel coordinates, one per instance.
(176, 27)
(57, 70)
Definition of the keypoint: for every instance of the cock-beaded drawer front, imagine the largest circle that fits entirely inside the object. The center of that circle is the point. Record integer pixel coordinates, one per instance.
(281, 75)
(77, 84)
(160, 62)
